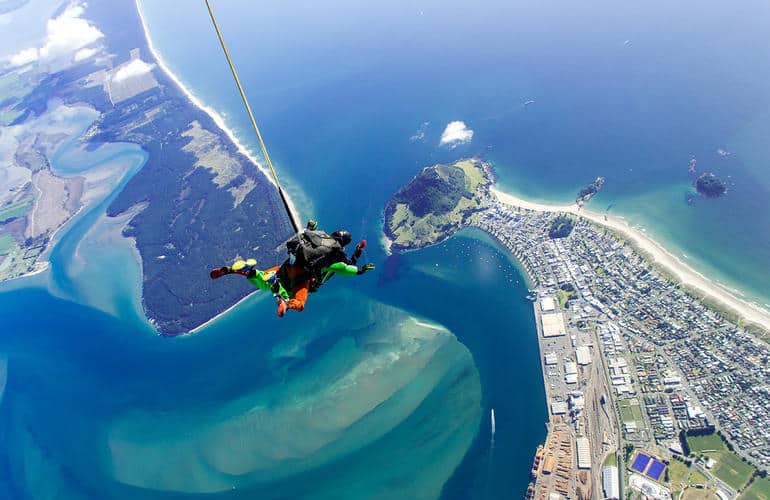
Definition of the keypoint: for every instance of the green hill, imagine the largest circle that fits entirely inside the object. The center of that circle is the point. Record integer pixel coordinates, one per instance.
(436, 202)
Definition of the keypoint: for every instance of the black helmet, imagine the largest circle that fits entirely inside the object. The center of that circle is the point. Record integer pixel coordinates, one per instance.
(343, 237)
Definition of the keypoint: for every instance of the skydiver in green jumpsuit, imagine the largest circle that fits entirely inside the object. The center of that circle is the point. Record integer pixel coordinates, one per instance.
(297, 276)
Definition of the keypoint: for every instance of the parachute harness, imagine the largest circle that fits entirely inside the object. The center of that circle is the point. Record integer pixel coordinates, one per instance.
(292, 216)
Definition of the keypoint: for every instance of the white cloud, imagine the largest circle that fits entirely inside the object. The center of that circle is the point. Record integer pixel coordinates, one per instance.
(65, 35)
(26, 56)
(134, 68)
(83, 54)
(456, 132)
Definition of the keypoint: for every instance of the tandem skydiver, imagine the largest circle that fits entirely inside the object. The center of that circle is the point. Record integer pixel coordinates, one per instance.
(314, 258)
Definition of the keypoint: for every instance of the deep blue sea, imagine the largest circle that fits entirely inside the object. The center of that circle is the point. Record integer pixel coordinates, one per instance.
(630, 92)
(394, 404)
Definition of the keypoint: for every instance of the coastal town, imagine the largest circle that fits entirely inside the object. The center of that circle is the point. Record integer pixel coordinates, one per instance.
(656, 380)
(636, 370)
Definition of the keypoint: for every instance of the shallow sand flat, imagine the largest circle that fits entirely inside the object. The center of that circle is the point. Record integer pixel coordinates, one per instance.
(366, 385)
(58, 199)
(673, 264)
(102, 252)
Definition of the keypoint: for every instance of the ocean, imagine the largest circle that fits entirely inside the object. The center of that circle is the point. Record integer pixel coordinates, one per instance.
(396, 402)
(630, 93)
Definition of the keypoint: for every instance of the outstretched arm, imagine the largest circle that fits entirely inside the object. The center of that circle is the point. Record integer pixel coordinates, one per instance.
(342, 269)
(348, 270)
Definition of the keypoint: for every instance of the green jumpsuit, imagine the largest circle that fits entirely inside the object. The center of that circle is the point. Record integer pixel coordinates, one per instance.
(264, 279)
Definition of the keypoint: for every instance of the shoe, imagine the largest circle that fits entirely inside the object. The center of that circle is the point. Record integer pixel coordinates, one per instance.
(219, 272)
(296, 305)
(282, 308)
(244, 267)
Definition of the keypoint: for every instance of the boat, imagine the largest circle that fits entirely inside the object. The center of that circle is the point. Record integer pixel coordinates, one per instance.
(530, 491)
(492, 414)
(536, 462)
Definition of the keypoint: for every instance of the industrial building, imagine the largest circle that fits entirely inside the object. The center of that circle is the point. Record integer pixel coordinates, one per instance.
(583, 452)
(611, 483)
(583, 355)
(558, 408)
(553, 325)
(570, 372)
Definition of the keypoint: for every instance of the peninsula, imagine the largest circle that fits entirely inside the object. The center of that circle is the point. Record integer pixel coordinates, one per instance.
(198, 201)
(629, 338)
(436, 203)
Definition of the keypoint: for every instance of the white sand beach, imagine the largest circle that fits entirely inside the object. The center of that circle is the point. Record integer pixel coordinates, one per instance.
(220, 122)
(218, 119)
(684, 273)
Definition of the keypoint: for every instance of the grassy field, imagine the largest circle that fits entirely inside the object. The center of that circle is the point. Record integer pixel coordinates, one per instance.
(473, 175)
(729, 467)
(678, 473)
(630, 412)
(696, 494)
(15, 209)
(684, 479)
(697, 477)
(759, 490)
(612, 459)
(564, 296)
(6, 243)
(712, 441)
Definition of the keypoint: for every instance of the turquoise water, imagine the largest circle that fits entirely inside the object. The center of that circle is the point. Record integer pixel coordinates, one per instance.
(276, 408)
(390, 404)
(395, 403)
(100, 406)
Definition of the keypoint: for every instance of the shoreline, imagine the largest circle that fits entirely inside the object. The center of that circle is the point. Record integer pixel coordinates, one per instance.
(213, 319)
(218, 119)
(529, 280)
(660, 255)
(680, 270)
(44, 266)
(220, 123)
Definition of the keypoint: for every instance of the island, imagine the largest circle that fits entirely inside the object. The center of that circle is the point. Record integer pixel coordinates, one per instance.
(710, 186)
(198, 201)
(629, 337)
(589, 191)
